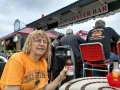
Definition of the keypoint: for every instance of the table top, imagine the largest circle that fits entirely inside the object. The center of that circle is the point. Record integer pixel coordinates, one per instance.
(88, 83)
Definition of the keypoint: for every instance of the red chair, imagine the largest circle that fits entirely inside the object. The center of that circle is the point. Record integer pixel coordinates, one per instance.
(92, 54)
(118, 49)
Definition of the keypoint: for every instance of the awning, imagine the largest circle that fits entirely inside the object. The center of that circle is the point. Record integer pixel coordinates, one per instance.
(77, 12)
(51, 35)
(82, 34)
(22, 31)
(26, 31)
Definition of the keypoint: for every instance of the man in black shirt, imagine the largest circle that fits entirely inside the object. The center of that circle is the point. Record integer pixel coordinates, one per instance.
(104, 35)
(73, 41)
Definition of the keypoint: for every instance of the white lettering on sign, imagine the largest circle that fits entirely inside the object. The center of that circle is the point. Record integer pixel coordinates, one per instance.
(80, 16)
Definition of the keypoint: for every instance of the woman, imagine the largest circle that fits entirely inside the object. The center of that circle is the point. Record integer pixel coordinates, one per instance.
(27, 70)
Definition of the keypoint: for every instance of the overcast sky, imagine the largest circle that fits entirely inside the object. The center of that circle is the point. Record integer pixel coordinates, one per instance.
(28, 11)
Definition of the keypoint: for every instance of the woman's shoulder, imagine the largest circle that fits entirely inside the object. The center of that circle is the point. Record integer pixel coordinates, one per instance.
(18, 54)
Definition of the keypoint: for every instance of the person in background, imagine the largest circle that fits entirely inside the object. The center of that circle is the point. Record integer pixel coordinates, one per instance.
(55, 43)
(27, 70)
(3, 55)
(104, 35)
(73, 41)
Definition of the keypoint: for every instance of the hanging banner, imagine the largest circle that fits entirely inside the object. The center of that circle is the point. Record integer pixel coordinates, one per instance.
(90, 13)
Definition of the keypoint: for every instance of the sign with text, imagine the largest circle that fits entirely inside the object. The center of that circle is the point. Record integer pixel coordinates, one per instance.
(83, 15)
(16, 25)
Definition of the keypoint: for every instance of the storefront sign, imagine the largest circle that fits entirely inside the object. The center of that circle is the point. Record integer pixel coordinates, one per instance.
(90, 13)
(16, 25)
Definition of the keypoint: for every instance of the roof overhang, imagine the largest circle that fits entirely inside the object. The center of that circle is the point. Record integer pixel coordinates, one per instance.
(24, 31)
(73, 11)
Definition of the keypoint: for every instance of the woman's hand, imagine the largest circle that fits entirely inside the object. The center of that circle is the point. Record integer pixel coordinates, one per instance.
(63, 73)
(54, 84)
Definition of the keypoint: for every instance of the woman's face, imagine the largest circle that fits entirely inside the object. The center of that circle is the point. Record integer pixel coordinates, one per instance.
(39, 46)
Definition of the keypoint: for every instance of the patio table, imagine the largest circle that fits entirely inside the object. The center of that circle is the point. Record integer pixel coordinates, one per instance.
(88, 83)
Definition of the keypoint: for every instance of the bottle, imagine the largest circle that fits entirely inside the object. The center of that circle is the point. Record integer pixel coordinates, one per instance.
(70, 65)
(116, 71)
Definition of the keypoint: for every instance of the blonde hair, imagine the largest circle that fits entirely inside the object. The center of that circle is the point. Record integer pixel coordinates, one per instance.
(30, 39)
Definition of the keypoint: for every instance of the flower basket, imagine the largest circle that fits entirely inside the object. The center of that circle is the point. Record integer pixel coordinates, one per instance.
(113, 82)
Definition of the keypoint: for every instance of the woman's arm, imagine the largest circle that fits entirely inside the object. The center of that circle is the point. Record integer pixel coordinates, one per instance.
(54, 84)
(51, 86)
